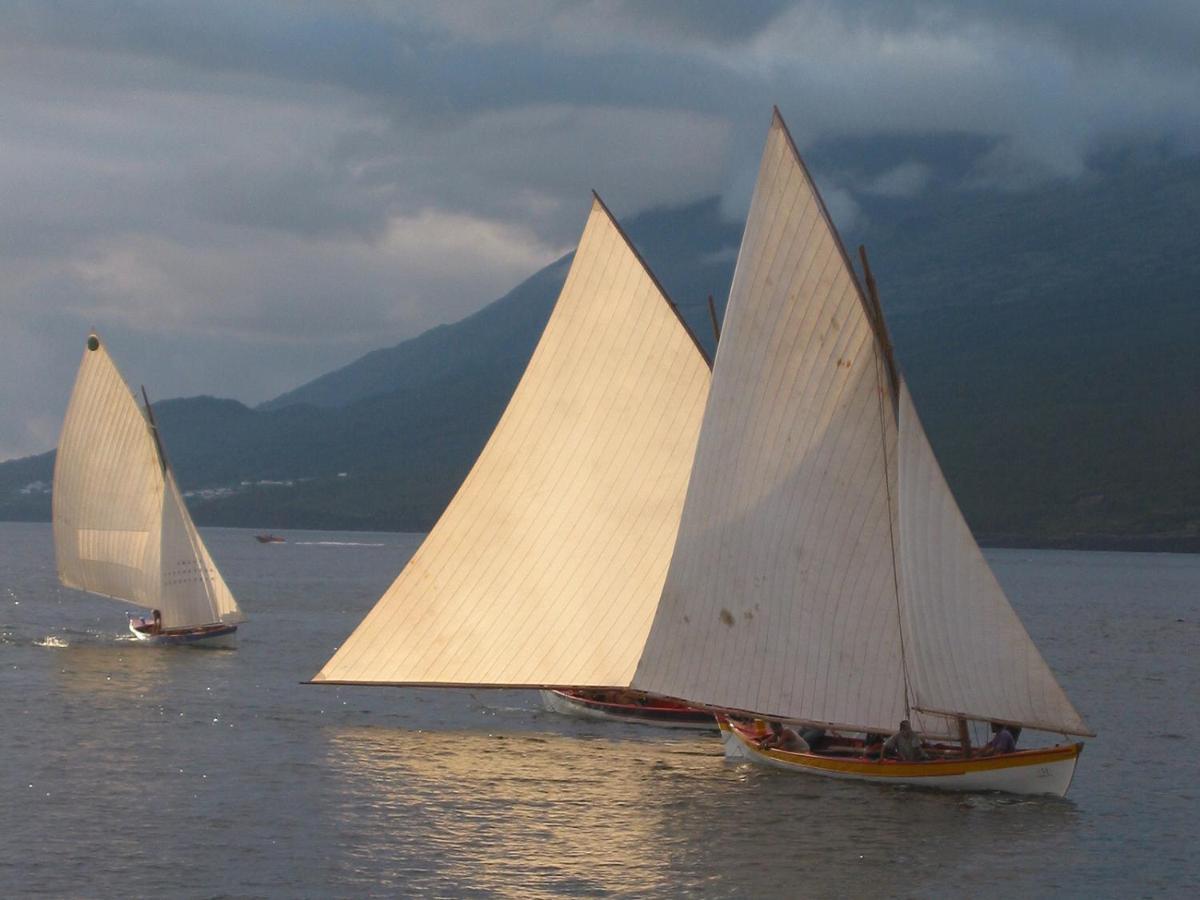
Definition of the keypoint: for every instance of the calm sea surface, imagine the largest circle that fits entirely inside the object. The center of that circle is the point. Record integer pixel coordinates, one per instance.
(139, 771)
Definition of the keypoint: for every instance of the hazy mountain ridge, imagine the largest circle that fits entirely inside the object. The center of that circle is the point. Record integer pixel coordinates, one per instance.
(442, 351)
(1048, 337)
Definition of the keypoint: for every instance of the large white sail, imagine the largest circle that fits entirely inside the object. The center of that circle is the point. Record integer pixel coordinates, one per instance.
(107, 496)
(781, 595)
(546, 567)
(823, 571)
(120, 525)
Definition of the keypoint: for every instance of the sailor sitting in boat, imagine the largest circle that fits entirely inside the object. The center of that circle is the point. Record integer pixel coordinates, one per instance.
(1003, 740)
(905, 744)
(783, 738)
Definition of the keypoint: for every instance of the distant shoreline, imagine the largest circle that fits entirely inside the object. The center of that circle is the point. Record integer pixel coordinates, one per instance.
(1142, 543)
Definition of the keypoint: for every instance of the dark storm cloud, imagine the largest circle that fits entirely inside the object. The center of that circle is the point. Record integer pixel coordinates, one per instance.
(243, 194)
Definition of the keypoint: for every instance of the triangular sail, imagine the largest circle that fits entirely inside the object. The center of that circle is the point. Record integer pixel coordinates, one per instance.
(107, 493)
(220, 597)
(121, 528)
(781, 594)
(193, 591)
(968, 653)
(546, 567)
(823, 571)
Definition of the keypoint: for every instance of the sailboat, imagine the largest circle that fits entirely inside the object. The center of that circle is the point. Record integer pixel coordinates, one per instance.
(823, 573)
(121, 528)
(820, 571)
(546, 567)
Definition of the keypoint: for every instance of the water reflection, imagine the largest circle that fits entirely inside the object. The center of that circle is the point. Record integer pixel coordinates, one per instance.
(542, 815)
(100, 665)
(511, 815)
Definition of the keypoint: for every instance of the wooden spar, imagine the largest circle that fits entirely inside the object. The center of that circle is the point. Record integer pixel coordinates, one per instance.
(162, 456)
(880, 324)
(884, 341)
(964, 737)
(716, 326)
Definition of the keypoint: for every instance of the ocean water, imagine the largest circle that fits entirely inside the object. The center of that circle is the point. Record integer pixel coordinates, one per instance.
(128, 770)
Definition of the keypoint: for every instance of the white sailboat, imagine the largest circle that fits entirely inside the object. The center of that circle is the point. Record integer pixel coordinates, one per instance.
(121, 528)
(546, 568)
(823, 573)
(819, 572)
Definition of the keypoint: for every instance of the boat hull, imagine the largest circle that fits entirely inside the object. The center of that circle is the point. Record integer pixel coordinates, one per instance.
(217, 635)
(661, 716)
(1045, 771)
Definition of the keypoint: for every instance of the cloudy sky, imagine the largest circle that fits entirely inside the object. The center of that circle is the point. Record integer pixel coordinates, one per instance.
(243, 194)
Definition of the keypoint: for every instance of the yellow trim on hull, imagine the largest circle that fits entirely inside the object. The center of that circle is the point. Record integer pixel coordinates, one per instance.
(896, 769)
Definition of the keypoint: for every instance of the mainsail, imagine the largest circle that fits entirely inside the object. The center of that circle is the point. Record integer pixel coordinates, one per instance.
(823, 571)
(121, 528)
(546, 567)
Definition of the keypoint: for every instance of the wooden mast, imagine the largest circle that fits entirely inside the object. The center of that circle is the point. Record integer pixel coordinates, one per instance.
(881, 329)
(162, 456)
(716, 325)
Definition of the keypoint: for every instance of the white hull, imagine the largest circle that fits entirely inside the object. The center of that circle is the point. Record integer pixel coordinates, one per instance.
(1032, 772)
(557, 702)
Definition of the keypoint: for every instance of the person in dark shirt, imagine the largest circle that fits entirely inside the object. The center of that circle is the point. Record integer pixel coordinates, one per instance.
(1002, 741)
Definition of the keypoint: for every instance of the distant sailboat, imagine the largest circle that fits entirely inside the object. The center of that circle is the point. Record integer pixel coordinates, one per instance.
(823, 573)
(121, 528)
(545, 569)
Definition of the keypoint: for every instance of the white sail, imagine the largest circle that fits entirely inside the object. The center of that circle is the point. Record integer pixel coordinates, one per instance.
(781, 595)
(107, 493)
(192, 587)
(968, 654)
(823, 571)
(120, 526)
(546, 567)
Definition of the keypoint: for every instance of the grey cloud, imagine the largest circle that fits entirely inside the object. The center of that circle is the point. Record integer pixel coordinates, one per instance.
(245, 193)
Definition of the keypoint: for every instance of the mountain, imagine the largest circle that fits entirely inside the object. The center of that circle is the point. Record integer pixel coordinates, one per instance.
(496, 336)
(1046, 334)
(693, 248)
(1049, 339)
(384, 442)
